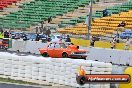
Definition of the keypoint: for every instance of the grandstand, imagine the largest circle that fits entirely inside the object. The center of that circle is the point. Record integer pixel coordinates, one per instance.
(81, 14)
(108, 25)
(37, 11)
(105, 26)
(26, 14)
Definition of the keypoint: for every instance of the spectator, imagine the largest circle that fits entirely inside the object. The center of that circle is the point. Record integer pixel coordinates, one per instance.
(92, 41)
(1, 35)
(48, 32)
(105, 13)
(44, 30)
(41, 29)
(113, 42)
(68, 39)
(6, 34)
(49, 19)
(10, 35)
(24, 37)
(37, 29)
(37, 37)
(42, 26)
(48, 39)
(94, 2)
(122, 24)
(127, 45)
(60, 41)
(1, 31)
(117, 37)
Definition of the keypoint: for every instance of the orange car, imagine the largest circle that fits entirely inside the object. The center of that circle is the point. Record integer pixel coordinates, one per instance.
(63, 50)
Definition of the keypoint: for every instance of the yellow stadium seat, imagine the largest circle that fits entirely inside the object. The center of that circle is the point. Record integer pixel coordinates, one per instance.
(105, 25)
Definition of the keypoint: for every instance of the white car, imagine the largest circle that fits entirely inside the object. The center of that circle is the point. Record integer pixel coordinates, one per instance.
(56, 38)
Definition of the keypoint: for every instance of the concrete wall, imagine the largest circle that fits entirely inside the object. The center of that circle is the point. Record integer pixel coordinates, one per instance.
(53, 70)
(110, 55)
(27, 46)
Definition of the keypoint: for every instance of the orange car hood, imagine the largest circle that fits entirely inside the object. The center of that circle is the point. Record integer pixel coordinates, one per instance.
(73, 47)
(70, 47)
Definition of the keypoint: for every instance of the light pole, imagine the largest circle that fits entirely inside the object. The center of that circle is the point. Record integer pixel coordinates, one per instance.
(90, 19)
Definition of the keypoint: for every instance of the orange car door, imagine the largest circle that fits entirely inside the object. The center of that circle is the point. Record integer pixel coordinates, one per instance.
(51, 50)
(58, 50)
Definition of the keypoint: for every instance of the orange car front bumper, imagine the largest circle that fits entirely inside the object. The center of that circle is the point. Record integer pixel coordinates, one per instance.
(79, 56)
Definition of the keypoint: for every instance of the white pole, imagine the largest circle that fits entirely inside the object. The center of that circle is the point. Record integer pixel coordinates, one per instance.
(90, 19)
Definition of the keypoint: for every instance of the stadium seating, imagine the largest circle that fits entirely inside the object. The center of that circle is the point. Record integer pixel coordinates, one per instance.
(79, 29)
(39, 10)
(73, 21)
(109, 25)
(105, 26)
(98, 14)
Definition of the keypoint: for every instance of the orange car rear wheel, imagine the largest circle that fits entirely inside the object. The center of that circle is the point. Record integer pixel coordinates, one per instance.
(65, 55)
(45, 54)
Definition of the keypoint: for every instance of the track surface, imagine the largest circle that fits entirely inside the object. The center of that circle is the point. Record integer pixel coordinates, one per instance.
(20, 53)
(4, 85)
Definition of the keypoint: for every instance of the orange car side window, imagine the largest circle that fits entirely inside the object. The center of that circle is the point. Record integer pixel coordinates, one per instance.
(63, 45)
(51, 46)
(57, 46)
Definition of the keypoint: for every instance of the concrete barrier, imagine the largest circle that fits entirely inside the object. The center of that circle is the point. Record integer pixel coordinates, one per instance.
(111, 55)
(53, 70)
(27, 46)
